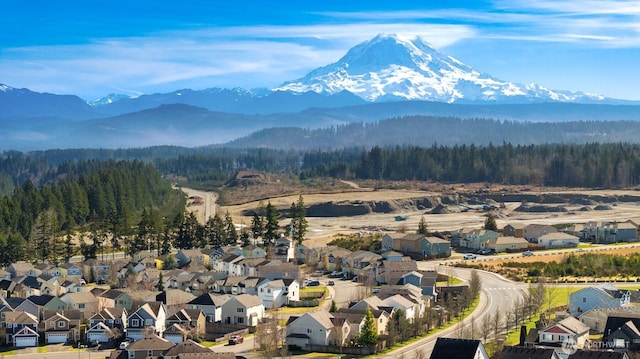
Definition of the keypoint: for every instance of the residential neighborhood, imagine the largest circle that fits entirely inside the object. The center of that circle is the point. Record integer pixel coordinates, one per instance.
(138, 308)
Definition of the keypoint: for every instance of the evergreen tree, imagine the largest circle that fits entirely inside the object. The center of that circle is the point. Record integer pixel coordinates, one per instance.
(422, 227)
(257, 226)
(334, 307)
(490, 223)
(231, 235)
(369, 333)
(272, 226)
(299, 222)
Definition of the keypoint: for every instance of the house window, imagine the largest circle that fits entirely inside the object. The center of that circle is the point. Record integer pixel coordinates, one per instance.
(240, 310)
(309, 331)
(135, 323)
(240, 320)
(584, 299)
(61, 324)
(81, 306)
(148, 322)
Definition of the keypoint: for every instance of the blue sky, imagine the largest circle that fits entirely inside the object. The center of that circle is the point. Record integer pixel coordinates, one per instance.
(93, 48)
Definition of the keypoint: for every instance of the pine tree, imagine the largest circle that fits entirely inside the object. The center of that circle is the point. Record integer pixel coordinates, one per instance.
(272, 226)
(257, 226)
(231, 235)
(299, 222)
(422, 227)
(490, 223)
(369, 333)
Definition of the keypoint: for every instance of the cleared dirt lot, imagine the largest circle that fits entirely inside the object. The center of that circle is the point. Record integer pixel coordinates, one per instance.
(323, 229)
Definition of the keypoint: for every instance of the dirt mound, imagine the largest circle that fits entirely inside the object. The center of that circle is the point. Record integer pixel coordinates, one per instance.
(440, 209)
(602, 207)
(585, 209)
(540, 208)
(584, 201)
(248, 178)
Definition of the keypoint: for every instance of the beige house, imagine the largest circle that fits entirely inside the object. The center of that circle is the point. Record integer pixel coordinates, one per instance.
(558, 240)
(504, 244)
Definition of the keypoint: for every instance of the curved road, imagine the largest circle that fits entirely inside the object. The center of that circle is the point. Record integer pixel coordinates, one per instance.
(498, 295)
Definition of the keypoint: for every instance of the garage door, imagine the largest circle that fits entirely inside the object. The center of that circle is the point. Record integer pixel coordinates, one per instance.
(100, 337)
(22, 342)
(55, 338)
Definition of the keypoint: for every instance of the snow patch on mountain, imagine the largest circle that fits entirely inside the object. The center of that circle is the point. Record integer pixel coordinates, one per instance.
(408, 68)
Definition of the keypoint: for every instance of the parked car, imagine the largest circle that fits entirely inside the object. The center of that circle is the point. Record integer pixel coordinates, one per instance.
(486, 251)
(470, 256)
(235, 339)
(331, 283)
(313, 283)
(527, 253)
(124, 344)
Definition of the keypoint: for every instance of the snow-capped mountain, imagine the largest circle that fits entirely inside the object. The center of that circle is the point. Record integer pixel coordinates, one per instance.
(109, 99)
(393, 67)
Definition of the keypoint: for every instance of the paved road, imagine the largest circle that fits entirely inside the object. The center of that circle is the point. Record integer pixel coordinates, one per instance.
(498, 294)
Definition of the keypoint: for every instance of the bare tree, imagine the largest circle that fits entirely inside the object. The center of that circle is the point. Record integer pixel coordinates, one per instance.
(267, 338)
(486, 328)
(496, 322)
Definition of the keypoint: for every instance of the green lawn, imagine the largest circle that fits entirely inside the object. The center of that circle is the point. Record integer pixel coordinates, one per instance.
(555, 297)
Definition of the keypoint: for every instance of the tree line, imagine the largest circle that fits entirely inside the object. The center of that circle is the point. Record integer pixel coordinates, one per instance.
(589, 165)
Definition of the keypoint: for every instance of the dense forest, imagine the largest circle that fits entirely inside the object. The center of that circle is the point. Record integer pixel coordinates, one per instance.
(35, 222)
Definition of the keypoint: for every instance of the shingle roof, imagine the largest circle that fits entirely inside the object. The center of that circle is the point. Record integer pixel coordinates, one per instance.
(150, 342)
(527, 353)
(211, 299)
(447, 348)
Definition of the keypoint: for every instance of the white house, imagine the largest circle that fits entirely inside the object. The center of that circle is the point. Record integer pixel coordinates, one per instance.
(278, 292)
(244, 309)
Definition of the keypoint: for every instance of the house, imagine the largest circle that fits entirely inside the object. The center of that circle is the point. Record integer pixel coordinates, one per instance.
(176, 333)
(277, 269)
(589, 354)
(71, 270)
(316, 328)
(250, 266)
(149, 316)
(610, 232)
(423, 246)
(447, 348)
(83, 301)
(284, 249)
(59, 328)
(96, 271)
(568, 329)
(16, 323)
(149, 346)
(558, 240)
(25, 305)
(108, 324)
(191, 349)
(25, 337)
(391, 241)
(243, 309)
(534, 231)
(381, 317)
(528, 353)
(597, 318)
(507, 244)
(278, 292)
(331, 257)
(192, 320)
(45, 302)
(253, 251)
(477, 239)
(621, 330)
(20, 269)
(391, 271)
(601, 296)
(211, 305)
(115, 298)
(227, 264)
(514, 230)
(185, 257)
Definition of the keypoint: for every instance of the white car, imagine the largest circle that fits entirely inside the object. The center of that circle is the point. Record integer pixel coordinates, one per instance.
(527, 253)
(469, 256)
